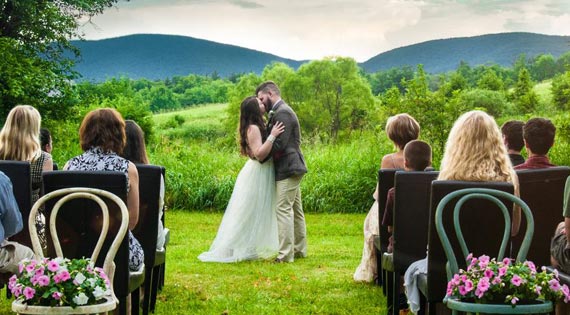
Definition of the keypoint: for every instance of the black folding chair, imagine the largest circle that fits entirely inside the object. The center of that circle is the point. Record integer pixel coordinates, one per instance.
(20, 174)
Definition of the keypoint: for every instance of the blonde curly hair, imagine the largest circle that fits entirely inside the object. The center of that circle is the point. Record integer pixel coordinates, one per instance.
(475, 151)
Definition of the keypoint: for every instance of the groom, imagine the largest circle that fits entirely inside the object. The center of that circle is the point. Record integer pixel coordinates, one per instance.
(289, 169)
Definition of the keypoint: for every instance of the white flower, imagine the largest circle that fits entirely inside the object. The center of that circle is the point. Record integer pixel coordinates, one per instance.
(99, 292)
(79, 278)
(92, 282)
(80, 299)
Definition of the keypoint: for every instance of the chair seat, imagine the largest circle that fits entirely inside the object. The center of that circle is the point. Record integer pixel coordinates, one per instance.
(136, 278)
(540, 307)
(388, 262)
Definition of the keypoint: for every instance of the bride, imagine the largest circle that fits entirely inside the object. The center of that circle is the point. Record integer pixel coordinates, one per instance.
(249, 227)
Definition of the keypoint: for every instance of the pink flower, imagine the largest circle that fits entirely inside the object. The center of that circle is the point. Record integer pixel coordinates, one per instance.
(40, 271)
(514, 300)
(506, 261)
(56, 295)
(17, 290)
(483, 261)
(488, 273)
(554, 285)
(43, 280)
(462, 290)
(530, 265)
(12, 282)
(469, 257)
(30, 268)
(456, 280)
(57, 278)
(538, 289)
(468, 285)
(502, 271)
(53, 266)
(34, 279)
(479, 293)
(29, 293)
(64, 275)
(20, 268)
(516, 280)
(483, 285)
(566, 292)
(496, 280)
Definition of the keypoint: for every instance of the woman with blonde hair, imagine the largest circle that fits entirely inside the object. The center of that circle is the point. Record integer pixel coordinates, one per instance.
(20, 141)
(474, 152)
(401, 129)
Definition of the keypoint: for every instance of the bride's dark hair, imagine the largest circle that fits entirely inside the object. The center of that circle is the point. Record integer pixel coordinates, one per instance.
(249, 115)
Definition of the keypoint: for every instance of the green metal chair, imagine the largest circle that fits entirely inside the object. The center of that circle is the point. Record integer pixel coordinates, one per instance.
(452, 267)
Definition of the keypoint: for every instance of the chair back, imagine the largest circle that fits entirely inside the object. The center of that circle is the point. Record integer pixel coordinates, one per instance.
(67, 195)
(411, 217)
(385, 182)
(481, 228)
(493, 196)
(20, 175)
(543, 191)
(147, 228)
(78, 231)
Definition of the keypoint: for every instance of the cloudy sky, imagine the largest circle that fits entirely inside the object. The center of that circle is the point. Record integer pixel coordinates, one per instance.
(312, 29)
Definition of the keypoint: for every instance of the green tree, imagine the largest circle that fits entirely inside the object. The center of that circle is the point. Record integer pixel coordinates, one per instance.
(543, 67)
(524, 97)
(490, 81)
(561, 91)
(34, 38)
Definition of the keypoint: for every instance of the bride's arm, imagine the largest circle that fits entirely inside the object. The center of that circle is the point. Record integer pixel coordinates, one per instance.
(258, 149)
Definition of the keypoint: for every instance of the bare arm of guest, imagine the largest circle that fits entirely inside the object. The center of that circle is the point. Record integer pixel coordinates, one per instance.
(133, 196)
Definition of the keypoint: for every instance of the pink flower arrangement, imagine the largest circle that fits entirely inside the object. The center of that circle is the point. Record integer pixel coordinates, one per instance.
(59, 282)
(487, 280)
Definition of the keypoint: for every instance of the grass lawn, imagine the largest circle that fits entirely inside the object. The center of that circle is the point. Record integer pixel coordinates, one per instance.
(319, 284)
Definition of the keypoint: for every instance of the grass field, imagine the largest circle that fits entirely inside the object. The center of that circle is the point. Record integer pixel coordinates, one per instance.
(319, 284)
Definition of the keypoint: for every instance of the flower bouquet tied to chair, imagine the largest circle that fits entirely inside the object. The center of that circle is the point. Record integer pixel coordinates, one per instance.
(488, 281)
(60, 282)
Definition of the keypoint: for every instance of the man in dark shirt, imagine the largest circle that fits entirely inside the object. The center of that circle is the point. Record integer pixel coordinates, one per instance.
(512, 132)
(538, 134)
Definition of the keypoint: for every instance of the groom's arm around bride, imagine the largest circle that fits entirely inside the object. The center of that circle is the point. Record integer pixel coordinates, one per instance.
(289, 170)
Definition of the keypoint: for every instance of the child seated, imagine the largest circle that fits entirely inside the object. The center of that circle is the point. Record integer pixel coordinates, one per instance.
(417, 157)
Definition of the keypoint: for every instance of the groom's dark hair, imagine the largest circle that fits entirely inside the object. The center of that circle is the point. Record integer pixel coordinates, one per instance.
(268, 86)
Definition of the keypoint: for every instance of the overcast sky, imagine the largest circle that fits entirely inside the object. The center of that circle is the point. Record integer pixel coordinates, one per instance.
(312, 29)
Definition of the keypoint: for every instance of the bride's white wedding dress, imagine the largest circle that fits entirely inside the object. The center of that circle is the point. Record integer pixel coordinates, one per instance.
(249, 227)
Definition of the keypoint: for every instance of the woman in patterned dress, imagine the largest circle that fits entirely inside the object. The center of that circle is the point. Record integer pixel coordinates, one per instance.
(20, 141)
(102, 138)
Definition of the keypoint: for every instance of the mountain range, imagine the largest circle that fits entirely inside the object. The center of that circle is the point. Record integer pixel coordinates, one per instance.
(155, 56)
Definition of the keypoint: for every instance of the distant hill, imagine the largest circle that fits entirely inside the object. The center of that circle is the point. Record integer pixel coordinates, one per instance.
(445, 54)
(163, 56)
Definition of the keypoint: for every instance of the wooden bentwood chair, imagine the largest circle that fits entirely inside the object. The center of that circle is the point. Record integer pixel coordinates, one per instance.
(491, 195)
(68, 194)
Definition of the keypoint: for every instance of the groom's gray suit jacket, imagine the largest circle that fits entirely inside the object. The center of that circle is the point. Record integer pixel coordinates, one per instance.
(286, 150)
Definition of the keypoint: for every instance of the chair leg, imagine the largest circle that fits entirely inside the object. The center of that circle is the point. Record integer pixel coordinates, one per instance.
(162, 275)
(147, 290)
(396, 293)
(388, 284)
(135, 301)
(154, 289)
(380, 280)
(122, 305)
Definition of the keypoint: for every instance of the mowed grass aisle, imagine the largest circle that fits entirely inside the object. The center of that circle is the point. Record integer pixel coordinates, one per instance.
(319, 284)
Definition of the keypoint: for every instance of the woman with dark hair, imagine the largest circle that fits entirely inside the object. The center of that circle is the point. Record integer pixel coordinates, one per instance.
(102, 138)
(135, 151)
(249, 226)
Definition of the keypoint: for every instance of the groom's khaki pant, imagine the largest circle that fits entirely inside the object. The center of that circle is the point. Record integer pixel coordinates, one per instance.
(291, 219)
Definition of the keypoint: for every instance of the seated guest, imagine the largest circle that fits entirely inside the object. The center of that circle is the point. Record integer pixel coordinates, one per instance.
(46, 143)
(135, 151)
(401, 129)
(538, 134)
(20, 141)
(417, 157)
(11, 253)
(102, 138)
(474, 152)
(512, 132)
